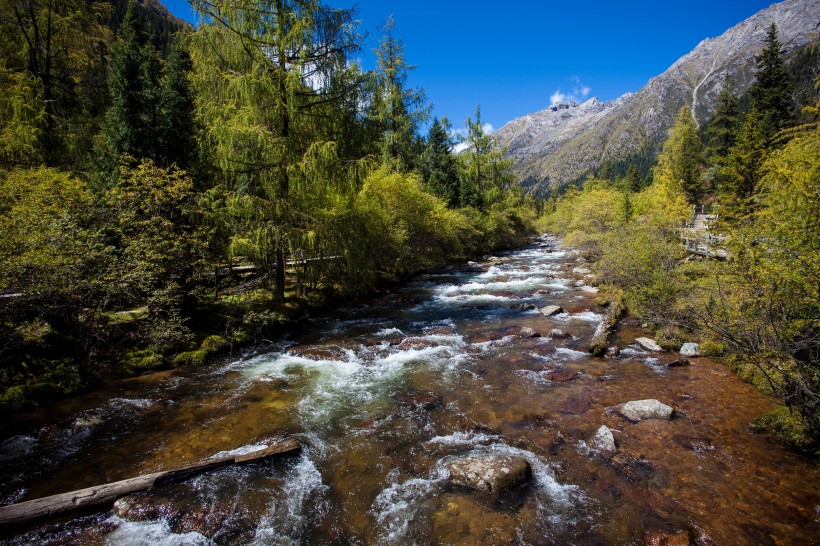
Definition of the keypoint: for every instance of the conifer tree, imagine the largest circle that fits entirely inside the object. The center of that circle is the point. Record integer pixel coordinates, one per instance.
(772, 89)
(681, 157)
(740, 172)
(723, 127)
(486, 176)
(397, 109)
(177, 111)
(439, 165)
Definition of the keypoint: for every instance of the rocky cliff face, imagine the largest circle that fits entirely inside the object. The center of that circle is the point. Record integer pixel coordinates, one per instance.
(557, 145)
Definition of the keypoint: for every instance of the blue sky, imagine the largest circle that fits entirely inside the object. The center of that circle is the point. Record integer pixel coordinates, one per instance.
(514, 57)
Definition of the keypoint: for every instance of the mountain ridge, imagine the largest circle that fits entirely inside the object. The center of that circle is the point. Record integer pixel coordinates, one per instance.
(555, 146)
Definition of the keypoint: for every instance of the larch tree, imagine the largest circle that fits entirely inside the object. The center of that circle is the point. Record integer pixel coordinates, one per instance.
(486, 175)
(265, 73)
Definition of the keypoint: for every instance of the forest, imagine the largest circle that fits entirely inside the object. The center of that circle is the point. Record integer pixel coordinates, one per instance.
(171, 193)
(755, 167)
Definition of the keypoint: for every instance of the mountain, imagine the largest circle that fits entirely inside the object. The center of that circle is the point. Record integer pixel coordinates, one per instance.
(558, 145)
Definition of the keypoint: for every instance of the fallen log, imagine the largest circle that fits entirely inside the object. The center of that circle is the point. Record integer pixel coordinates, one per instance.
(600, 339)
(65, 503)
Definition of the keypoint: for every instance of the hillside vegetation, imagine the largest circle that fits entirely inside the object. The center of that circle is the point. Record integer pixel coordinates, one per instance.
(757, 169)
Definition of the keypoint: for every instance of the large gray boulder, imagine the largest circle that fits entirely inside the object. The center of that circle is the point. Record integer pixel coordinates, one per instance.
(638, 410)
(493, 474)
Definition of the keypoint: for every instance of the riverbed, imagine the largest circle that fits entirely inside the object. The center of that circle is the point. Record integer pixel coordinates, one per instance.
(384, 394)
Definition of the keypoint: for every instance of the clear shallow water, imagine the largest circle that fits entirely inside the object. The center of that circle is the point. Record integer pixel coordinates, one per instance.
(354, 387)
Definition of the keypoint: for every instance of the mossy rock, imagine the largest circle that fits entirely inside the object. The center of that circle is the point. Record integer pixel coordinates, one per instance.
(213, 344)
(144, 360)
(190, 358)
(786, 427)
(15, 399)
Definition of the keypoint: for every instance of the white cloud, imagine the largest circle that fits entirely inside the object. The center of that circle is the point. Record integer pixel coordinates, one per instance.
(579, 92)
(488, 128)
(460, 147)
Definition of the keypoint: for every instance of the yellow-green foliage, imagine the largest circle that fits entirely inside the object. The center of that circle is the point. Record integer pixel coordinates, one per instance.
(786, 426)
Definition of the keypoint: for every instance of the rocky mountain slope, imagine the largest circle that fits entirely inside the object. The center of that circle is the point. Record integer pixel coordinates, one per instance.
(557, 145)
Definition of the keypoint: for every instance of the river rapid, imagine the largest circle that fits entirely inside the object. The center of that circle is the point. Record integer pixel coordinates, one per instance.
(384, 394)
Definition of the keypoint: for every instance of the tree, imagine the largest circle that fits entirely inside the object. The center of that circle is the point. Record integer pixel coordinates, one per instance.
(267, 74)
(397, 109)
(772, 90)
(133, 119)
(680, 159)
(176, 100)
(723, 126)
(54, 57)
(439, 165)
(739, 173)
(486, 176)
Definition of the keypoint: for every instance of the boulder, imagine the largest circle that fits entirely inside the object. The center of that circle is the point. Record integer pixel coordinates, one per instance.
(690, 349)
(613, 352)
(527, 333)
(493, 474)
(550, 310)
(604, 441)
(557, 333)
(678, 363)
(638, 410)
(141, 508)
(581, 271)
(649, 344)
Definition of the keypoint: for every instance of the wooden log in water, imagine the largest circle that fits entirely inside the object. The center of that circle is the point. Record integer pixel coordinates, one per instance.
(600, 339)
(65, 503)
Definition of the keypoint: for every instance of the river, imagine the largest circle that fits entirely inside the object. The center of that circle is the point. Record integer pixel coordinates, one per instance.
(383, 394)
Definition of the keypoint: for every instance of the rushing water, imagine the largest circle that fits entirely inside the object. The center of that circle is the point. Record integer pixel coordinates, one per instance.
(383, 395)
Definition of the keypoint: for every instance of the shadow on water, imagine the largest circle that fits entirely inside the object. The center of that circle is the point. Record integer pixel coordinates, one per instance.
(385, 395)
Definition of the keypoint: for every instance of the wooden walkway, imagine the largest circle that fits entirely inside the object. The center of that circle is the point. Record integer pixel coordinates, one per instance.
(697, 238)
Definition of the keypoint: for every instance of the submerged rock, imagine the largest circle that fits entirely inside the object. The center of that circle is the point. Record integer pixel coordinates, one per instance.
(562, 376)
(426, 402)
(557, 333)
(604, 441)
(613, 352)
(527, 333)
(657, 537)
(649, 344)
(550, 310)
(493, 474)
(690, 349)
(678, 363)
(638, 410)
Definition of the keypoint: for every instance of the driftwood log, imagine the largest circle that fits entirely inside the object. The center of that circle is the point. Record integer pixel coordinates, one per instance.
(600, 339)
(65, 503)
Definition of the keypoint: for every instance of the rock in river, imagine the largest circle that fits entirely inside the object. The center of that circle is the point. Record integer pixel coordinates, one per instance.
(649, 344)
(490, 473)
(550, 310)
(638, 410)
(604, 441)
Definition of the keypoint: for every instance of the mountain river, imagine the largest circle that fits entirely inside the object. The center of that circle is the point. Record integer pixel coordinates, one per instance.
(384, 395)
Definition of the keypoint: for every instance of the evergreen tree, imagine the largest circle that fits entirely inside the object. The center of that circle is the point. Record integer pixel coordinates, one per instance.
(740, 172)
(177, 110)
(722, 128)
(397, 109)
(772, 89)
(681, 157)
(133, 119)
(439, 165)
(486, 176)
(633, 178)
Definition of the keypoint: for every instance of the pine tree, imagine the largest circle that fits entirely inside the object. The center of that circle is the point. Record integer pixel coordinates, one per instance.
(681, 157)
(722, 129)
(486, 176)
(772, 89)
(439, 165)
(740, 172)
(397, 109)
(177, 111)
(132, 121)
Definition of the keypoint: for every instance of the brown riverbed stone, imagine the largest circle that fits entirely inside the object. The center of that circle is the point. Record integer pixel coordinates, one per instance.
(492, 474)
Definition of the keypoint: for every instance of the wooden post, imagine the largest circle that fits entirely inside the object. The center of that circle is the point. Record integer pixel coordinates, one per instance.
(65, 503)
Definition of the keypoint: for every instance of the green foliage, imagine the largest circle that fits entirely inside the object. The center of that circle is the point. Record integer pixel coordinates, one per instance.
(439, 166)
(772, 90)
(787, 427)
(681, 160)
(485, 176)
(723, 126)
